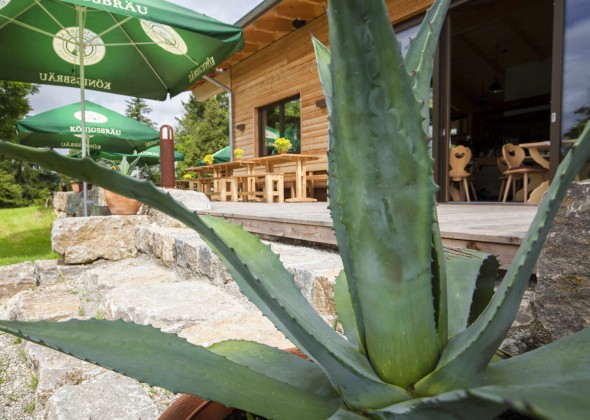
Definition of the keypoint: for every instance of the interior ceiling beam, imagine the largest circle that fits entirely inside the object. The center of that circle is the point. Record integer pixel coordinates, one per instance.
(477, 52)
(460, 90)
(528, 41)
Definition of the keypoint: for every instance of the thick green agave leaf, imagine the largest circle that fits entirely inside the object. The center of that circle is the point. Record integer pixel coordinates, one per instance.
(345, 312)
(385, 191)
(438, 269)
(344, 414)
(471, 279)
(165, 360)
(455, 405)
(565, 359)
(439, 284)
(256, 269)
(467, 354)
(323, 62)
(322, 58)
(419, 58)
(277, 364)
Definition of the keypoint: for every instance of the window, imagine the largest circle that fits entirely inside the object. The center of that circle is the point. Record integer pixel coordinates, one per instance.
(281, 119)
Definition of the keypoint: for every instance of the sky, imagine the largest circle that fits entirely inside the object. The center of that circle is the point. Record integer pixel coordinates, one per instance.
(163, 112)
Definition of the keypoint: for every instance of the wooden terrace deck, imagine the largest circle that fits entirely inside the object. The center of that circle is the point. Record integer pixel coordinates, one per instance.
(494, 228)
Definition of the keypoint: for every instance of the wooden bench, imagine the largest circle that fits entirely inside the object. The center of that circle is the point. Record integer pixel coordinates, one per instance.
(260, 186)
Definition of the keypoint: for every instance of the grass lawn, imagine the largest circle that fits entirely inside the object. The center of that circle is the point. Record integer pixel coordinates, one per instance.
(25, 235)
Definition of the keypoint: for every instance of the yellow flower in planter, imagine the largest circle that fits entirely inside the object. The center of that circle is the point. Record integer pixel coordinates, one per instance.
(282, 145)
(208, 159)
(238, 153)
(188, 176)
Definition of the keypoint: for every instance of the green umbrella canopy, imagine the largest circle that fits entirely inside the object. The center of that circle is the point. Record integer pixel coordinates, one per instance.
(142, 48)
(223, 155)
(107, 130)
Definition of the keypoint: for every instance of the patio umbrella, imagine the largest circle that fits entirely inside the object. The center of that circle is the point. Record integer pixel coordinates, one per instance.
(223, 155)
(107, 130)
(142, 48)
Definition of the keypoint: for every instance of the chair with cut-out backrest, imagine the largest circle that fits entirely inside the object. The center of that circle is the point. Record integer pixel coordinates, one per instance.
(459, 158)
(514, 156)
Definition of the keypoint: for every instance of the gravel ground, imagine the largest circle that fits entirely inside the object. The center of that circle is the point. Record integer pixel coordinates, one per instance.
(17, 379)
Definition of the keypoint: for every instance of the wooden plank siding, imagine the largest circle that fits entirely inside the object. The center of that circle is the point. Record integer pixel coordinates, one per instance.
(287, 68)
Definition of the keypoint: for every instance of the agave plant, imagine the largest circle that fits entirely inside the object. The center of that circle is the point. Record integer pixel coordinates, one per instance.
(421, 325)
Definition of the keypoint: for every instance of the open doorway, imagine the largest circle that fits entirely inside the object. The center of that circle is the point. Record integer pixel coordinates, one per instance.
(499, 82)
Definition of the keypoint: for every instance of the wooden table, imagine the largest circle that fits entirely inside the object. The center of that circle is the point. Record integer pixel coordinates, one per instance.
(300, 161)
(535, 150)
(215, 177)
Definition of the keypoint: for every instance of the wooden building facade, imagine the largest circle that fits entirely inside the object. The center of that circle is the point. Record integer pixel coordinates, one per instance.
(505, 72)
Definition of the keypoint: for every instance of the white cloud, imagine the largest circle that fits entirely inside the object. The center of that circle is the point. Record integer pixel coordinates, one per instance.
(163, 112)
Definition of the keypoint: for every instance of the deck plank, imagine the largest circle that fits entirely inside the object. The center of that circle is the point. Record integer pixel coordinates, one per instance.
(489, 227)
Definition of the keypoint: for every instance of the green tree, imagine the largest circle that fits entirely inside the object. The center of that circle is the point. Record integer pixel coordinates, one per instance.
(138, 109)
(21, 184)
(202, 129)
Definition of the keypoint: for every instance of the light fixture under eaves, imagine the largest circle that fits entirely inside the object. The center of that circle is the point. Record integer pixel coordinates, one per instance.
(495, 87)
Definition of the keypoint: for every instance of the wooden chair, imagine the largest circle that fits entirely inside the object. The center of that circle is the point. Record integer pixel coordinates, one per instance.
(514, 156)
(459, 158)
(503, 167)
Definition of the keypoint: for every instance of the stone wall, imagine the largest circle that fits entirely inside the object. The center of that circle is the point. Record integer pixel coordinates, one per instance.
(562, 293)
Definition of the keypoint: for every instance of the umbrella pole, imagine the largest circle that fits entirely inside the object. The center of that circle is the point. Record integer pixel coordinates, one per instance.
(80, 11)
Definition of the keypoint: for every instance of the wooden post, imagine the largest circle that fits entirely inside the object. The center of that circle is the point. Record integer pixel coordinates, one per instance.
(167, 173)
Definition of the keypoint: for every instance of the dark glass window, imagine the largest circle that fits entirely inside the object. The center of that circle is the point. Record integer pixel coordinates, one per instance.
(281, 119)
(576, 82)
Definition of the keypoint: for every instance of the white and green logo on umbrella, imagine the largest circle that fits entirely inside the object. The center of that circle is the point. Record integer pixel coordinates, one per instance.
(144, 48)
(106, 130)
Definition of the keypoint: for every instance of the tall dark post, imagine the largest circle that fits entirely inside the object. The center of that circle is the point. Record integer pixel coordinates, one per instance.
(167, 157)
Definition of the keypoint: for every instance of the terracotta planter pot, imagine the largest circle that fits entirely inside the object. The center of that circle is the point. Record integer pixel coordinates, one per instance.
(77, 186)
(190, 407)
(121, 205)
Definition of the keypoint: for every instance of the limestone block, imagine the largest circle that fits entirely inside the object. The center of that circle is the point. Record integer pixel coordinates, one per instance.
(250, 326)
(171, 306)
(105, 276)
(563, 272)
(55, 369)
(60, 203)
(52, 272)
(192, 200)
(16, 278)
(158, 242)
(315, 273)
(48, 305)
(108, 396)
(85, 239)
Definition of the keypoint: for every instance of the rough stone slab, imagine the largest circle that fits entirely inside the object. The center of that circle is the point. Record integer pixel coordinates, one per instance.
(563, 273)
(171, 306)
(252, 326)
(48, 305)
(315, 273)
(192, 200)
(16, 278)
(158, 242)
(57, 369)
(105, 276)
(315, 270)
(86, 239)
(52, 272)
(108, 396)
